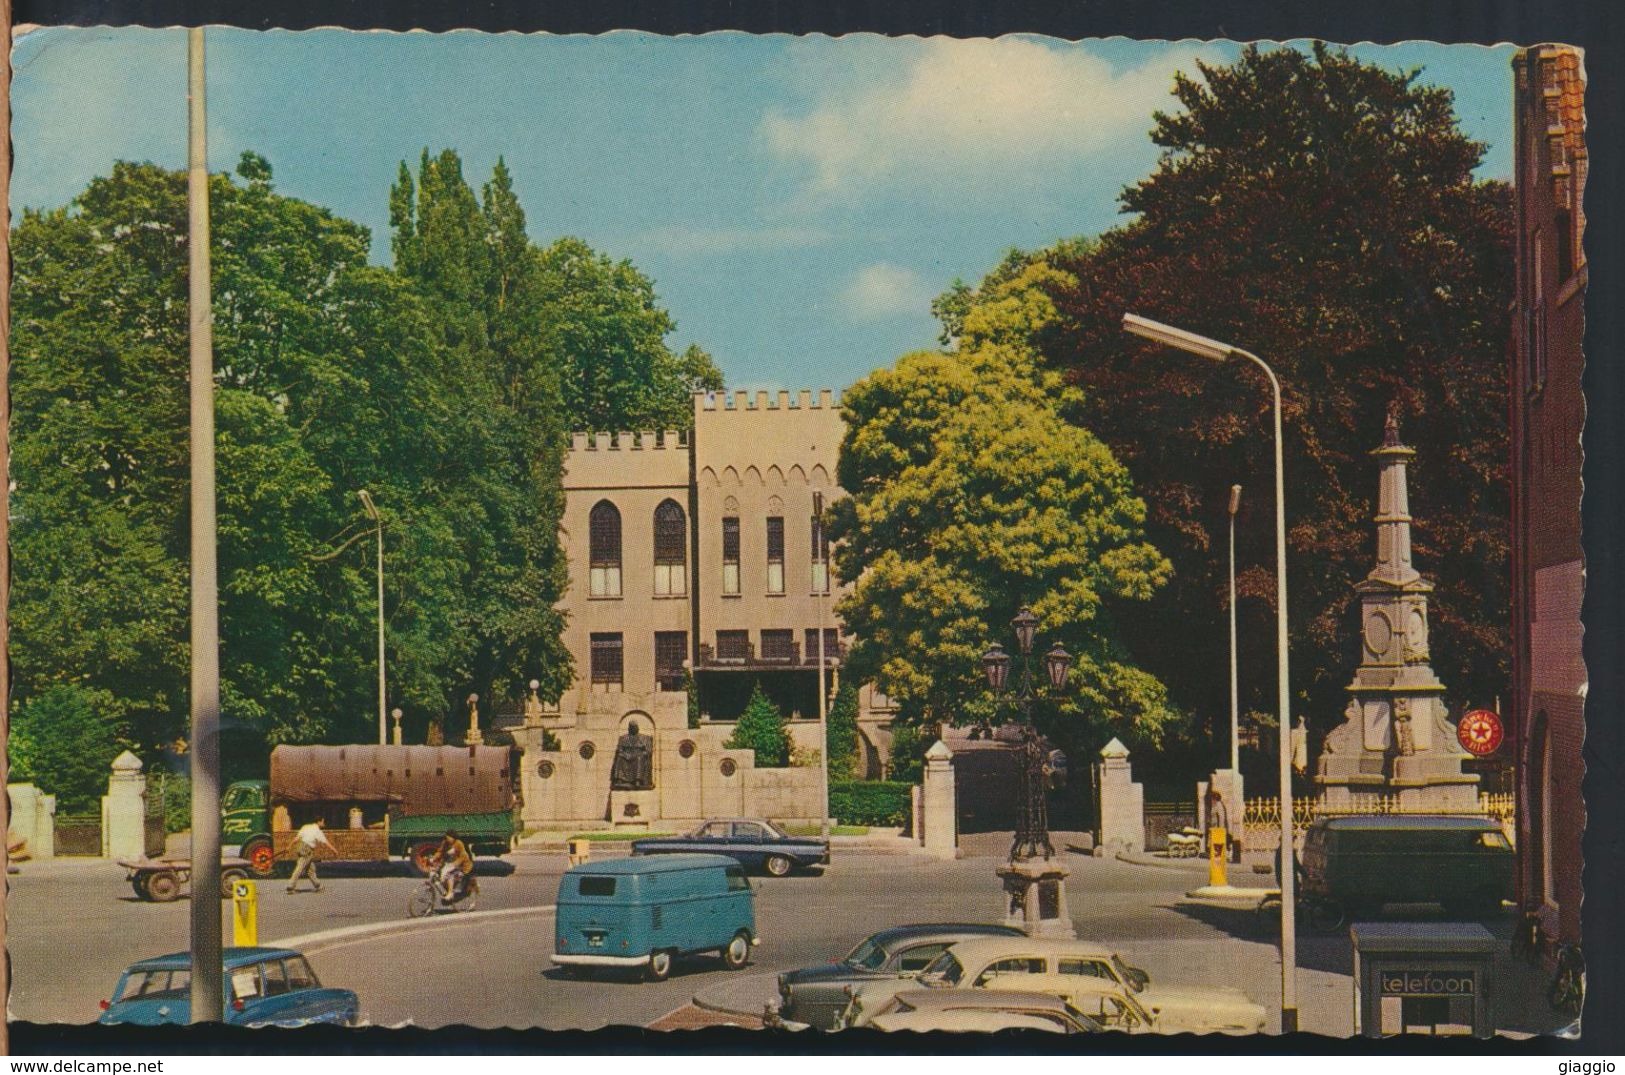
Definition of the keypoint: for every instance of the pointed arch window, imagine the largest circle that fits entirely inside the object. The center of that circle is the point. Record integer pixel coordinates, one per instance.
(604, 550)
(671, 550)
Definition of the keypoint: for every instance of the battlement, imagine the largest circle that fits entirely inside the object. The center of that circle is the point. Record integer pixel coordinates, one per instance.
(741, 400)
(665, 440)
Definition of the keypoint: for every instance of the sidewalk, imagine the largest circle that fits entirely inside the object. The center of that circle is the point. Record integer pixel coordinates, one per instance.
(744, 995)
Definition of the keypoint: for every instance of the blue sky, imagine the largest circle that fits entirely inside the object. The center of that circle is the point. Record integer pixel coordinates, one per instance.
(798, 201)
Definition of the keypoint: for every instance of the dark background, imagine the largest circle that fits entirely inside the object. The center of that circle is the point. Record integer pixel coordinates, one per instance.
(1593, 26)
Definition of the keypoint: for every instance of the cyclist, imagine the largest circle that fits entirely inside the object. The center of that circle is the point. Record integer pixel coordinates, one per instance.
(453, 863)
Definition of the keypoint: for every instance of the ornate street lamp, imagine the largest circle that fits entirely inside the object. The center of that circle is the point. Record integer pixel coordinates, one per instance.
(1032, 829)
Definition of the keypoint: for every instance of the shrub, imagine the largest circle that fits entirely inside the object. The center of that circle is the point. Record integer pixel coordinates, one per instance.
(870, 802)
(692, 690)
(761, 729)
(841, 733)
(908, 748)
(65, 740)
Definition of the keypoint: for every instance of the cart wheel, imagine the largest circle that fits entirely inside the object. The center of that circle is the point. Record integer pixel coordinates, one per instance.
(139, 884)
(229, 878)
(261, 856)
(164, 886)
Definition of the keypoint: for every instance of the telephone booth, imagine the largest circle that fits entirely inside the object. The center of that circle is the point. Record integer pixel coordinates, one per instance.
(1422, 978)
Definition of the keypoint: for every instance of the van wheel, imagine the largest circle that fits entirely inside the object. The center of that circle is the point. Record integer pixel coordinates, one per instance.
(659, 968)
(777, 865)
(1327, 916)
(737, 951)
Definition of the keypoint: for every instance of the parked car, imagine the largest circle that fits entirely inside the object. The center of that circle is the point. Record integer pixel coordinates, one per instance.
(817, 995)
(262, 987)
(1093, 978)
(755, 844)
(1359, 863)
(983, 1010)
(647, 912)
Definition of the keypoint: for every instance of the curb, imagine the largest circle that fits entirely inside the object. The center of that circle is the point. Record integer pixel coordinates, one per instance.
(309, 942)
(713, 1006)
(1162, 864)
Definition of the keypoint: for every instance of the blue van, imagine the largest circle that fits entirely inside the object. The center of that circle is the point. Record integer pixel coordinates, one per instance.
(645, 912)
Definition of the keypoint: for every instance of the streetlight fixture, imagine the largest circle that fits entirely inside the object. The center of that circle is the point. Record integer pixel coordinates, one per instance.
(397, 714)
(1219, 352)
(378, 525)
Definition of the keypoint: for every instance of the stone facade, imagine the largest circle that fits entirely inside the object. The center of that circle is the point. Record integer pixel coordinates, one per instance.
(1547, 717)
(694, 553)
(1396, 737)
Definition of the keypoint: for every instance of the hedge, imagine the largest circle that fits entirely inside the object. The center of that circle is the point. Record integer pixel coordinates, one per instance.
(870, 802)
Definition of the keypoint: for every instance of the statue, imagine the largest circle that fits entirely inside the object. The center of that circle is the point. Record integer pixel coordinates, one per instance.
(633, 768)
(1404, 738)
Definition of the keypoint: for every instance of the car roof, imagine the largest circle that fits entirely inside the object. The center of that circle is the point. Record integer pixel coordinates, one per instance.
(926, 930)
(714, 820)
(1410, 822)
(233, 957)
(994, 947)
(635, 865)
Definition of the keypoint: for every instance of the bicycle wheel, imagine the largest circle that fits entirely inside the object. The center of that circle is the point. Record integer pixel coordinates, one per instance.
(1567, 992)
(421, 902)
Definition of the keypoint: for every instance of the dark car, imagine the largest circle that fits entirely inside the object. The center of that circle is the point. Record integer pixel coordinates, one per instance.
(755, 844)
(818, 995)
(262, 987)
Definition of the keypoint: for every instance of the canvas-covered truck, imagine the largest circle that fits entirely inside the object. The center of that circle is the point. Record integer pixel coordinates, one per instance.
(374, 802)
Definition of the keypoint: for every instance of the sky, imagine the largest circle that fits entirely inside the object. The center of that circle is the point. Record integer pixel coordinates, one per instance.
(798, 201)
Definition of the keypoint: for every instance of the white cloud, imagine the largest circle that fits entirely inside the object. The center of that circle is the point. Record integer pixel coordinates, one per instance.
(965, 111)
(883, 290)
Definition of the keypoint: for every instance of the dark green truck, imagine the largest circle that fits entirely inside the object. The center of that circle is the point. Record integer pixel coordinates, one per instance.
(374, 802)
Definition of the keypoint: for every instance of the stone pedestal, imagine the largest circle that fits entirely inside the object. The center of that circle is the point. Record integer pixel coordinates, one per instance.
(1035, 897)
(633, 809)
(939, 806)
(124, 810)
(1120, 802)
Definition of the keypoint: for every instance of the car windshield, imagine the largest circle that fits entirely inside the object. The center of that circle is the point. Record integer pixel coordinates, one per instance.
(152, 983)
(945, 970)
(868, 955)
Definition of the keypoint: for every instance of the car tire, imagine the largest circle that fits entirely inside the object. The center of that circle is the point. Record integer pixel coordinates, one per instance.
(777, 866)
(419, 857)
(163, 887)
(229, 878)
(736, 953)
(659, 966)
(261, 856)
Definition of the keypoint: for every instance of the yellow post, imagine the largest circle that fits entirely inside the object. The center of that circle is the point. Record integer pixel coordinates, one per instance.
(1218, 840)
(245, 917)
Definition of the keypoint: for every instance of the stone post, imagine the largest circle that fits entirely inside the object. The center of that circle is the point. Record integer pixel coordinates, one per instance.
(1121, 822)
(938, 803)
(32, 818)
(124, 810)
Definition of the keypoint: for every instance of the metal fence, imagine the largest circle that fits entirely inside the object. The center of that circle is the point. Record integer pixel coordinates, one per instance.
(78, 834)
(152, 825)
(1163, 818)
(1261, 820)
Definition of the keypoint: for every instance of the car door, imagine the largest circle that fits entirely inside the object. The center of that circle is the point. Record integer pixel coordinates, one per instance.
(749, 844)
(912, 960)
(1013, 966)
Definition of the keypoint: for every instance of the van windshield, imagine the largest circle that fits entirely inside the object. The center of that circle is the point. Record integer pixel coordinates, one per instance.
(595, 885)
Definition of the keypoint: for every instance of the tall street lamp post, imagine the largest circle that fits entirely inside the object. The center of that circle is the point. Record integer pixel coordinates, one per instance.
(378, 526)
(1034, 882)
(1220, 352)
(1235, 712)
(822, 555)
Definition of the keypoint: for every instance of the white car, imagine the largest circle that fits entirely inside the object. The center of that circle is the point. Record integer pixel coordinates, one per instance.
(986, 1010)
(1091, 977)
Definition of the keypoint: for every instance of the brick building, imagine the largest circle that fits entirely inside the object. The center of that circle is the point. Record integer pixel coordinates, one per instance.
(1547, 413)
(698, 553)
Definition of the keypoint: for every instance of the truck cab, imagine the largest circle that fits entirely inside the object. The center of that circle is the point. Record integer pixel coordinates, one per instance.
(245, 824)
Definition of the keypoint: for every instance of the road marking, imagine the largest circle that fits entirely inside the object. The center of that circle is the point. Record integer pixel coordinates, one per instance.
(335, 938)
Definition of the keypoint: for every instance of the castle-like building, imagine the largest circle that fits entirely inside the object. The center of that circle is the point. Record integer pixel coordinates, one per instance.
(697, 559)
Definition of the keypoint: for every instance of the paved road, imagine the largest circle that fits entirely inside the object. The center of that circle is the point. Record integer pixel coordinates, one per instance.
(75, 925)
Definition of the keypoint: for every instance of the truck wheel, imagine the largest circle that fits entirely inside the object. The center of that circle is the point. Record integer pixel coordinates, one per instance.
(163, 887)
(737, 951)
(229, 878)
(261, 857)
(659, 968)
(420, 857)
(778, 865)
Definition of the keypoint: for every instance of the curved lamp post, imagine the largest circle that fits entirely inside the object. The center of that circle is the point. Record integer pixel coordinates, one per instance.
(1220, 352)
(1032, 829)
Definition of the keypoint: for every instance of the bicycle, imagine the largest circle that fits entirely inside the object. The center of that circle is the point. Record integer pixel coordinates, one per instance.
(428, 898)
(1567, 993)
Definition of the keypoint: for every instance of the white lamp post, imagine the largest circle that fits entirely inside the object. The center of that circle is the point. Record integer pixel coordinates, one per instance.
(823, 701)
(378, 522)
(1220, 352)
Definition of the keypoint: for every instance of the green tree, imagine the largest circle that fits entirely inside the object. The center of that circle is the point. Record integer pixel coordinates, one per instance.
(972, 497)
(1323, 213)
(841, 734)
(908, 749)
(64, 739)
(761, 729)
(691, 691)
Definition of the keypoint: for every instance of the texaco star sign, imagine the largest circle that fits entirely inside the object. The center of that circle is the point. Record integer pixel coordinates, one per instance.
(1479, 732)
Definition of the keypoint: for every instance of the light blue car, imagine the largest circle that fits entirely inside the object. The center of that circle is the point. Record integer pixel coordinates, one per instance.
(644, 913)
(262, 987)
